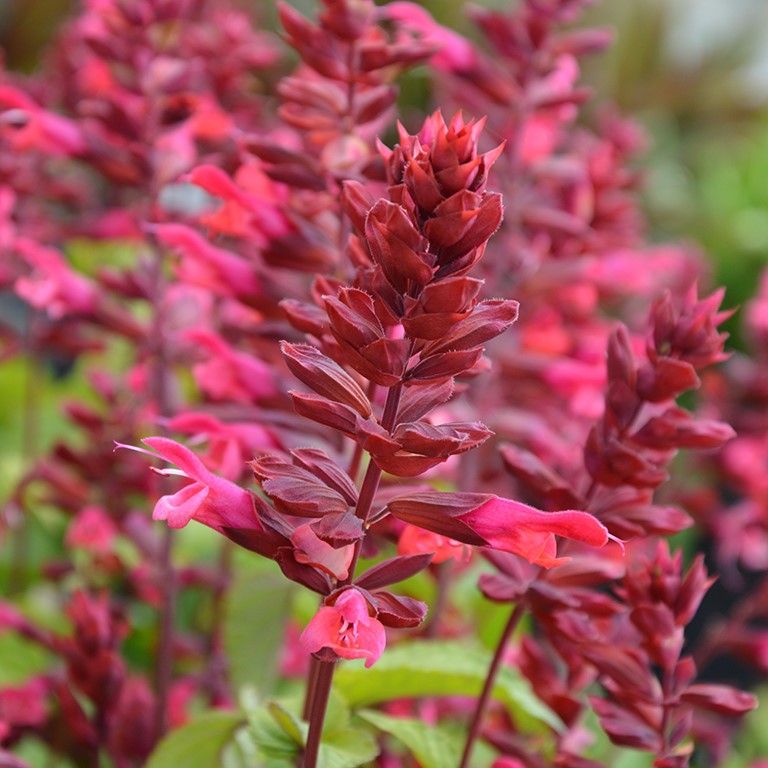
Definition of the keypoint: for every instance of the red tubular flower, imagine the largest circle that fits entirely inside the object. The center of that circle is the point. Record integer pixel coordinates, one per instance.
(414, 540)
(347, 629)
(210, 499)
(503, 524)
(526, 531)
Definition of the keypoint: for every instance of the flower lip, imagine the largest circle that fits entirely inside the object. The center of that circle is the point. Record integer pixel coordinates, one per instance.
(346, 628)
(210, 499)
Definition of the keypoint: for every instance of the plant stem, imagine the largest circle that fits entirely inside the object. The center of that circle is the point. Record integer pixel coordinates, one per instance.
(444, 578)
(167, 617)
(485, 695)
(320, 693)
(321, 672)
(18, 517)
(101, 729)
(314, 670)
(218, 667)
(164, 666)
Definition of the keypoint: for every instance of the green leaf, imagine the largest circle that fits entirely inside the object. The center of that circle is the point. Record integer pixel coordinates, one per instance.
(20, 659)
(257, 609)
(452, 668)
(433, 746)
(347, 748)
(274, 744)
(337, 714)
(287, 721)
(279, 735)
(199, 744)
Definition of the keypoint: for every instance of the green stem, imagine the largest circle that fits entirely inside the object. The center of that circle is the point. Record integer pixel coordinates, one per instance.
(485, 695)
(18, 516)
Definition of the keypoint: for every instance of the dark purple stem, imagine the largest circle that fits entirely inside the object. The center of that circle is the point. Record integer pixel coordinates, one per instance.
(314, 671)
(444, 581)
(321, 672)
(485, 694)
(167, 617)
(321, 692)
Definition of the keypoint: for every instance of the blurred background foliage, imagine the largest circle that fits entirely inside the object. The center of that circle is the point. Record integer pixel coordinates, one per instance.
(694, 73)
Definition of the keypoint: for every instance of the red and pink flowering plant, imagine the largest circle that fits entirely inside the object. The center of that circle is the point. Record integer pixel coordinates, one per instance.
(278, 227)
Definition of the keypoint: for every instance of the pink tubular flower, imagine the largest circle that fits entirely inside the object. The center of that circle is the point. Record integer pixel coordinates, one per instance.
(36, 127)
(347, 629)
(454, 53)
(507, 762)
(415, 541)
(485, 520)
(210, 499)
(230, 444)
(526, 531)
(220, 271)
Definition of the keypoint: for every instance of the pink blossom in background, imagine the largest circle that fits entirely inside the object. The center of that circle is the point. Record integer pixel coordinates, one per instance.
(53, 286)
(7, 225)
(228, 374)
(93, 530)
(230, 445)
(250, 205)
(34, 127)
(507, 762)
(203, 264)
(756, 315)
(543, 132)
(454, 53)
(24, 705)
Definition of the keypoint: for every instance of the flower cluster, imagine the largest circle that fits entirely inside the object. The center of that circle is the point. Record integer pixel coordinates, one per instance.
(410, 324)
(299, 297)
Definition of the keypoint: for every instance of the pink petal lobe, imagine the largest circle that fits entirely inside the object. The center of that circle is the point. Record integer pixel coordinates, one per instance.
(181, 456)
(181, 507)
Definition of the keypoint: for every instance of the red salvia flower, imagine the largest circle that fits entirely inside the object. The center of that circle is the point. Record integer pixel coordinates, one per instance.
(209, 499)
(346, 627)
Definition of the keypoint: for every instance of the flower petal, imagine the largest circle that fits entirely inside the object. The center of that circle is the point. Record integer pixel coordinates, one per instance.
(347, 629)
(181, 456)
(181, 507)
